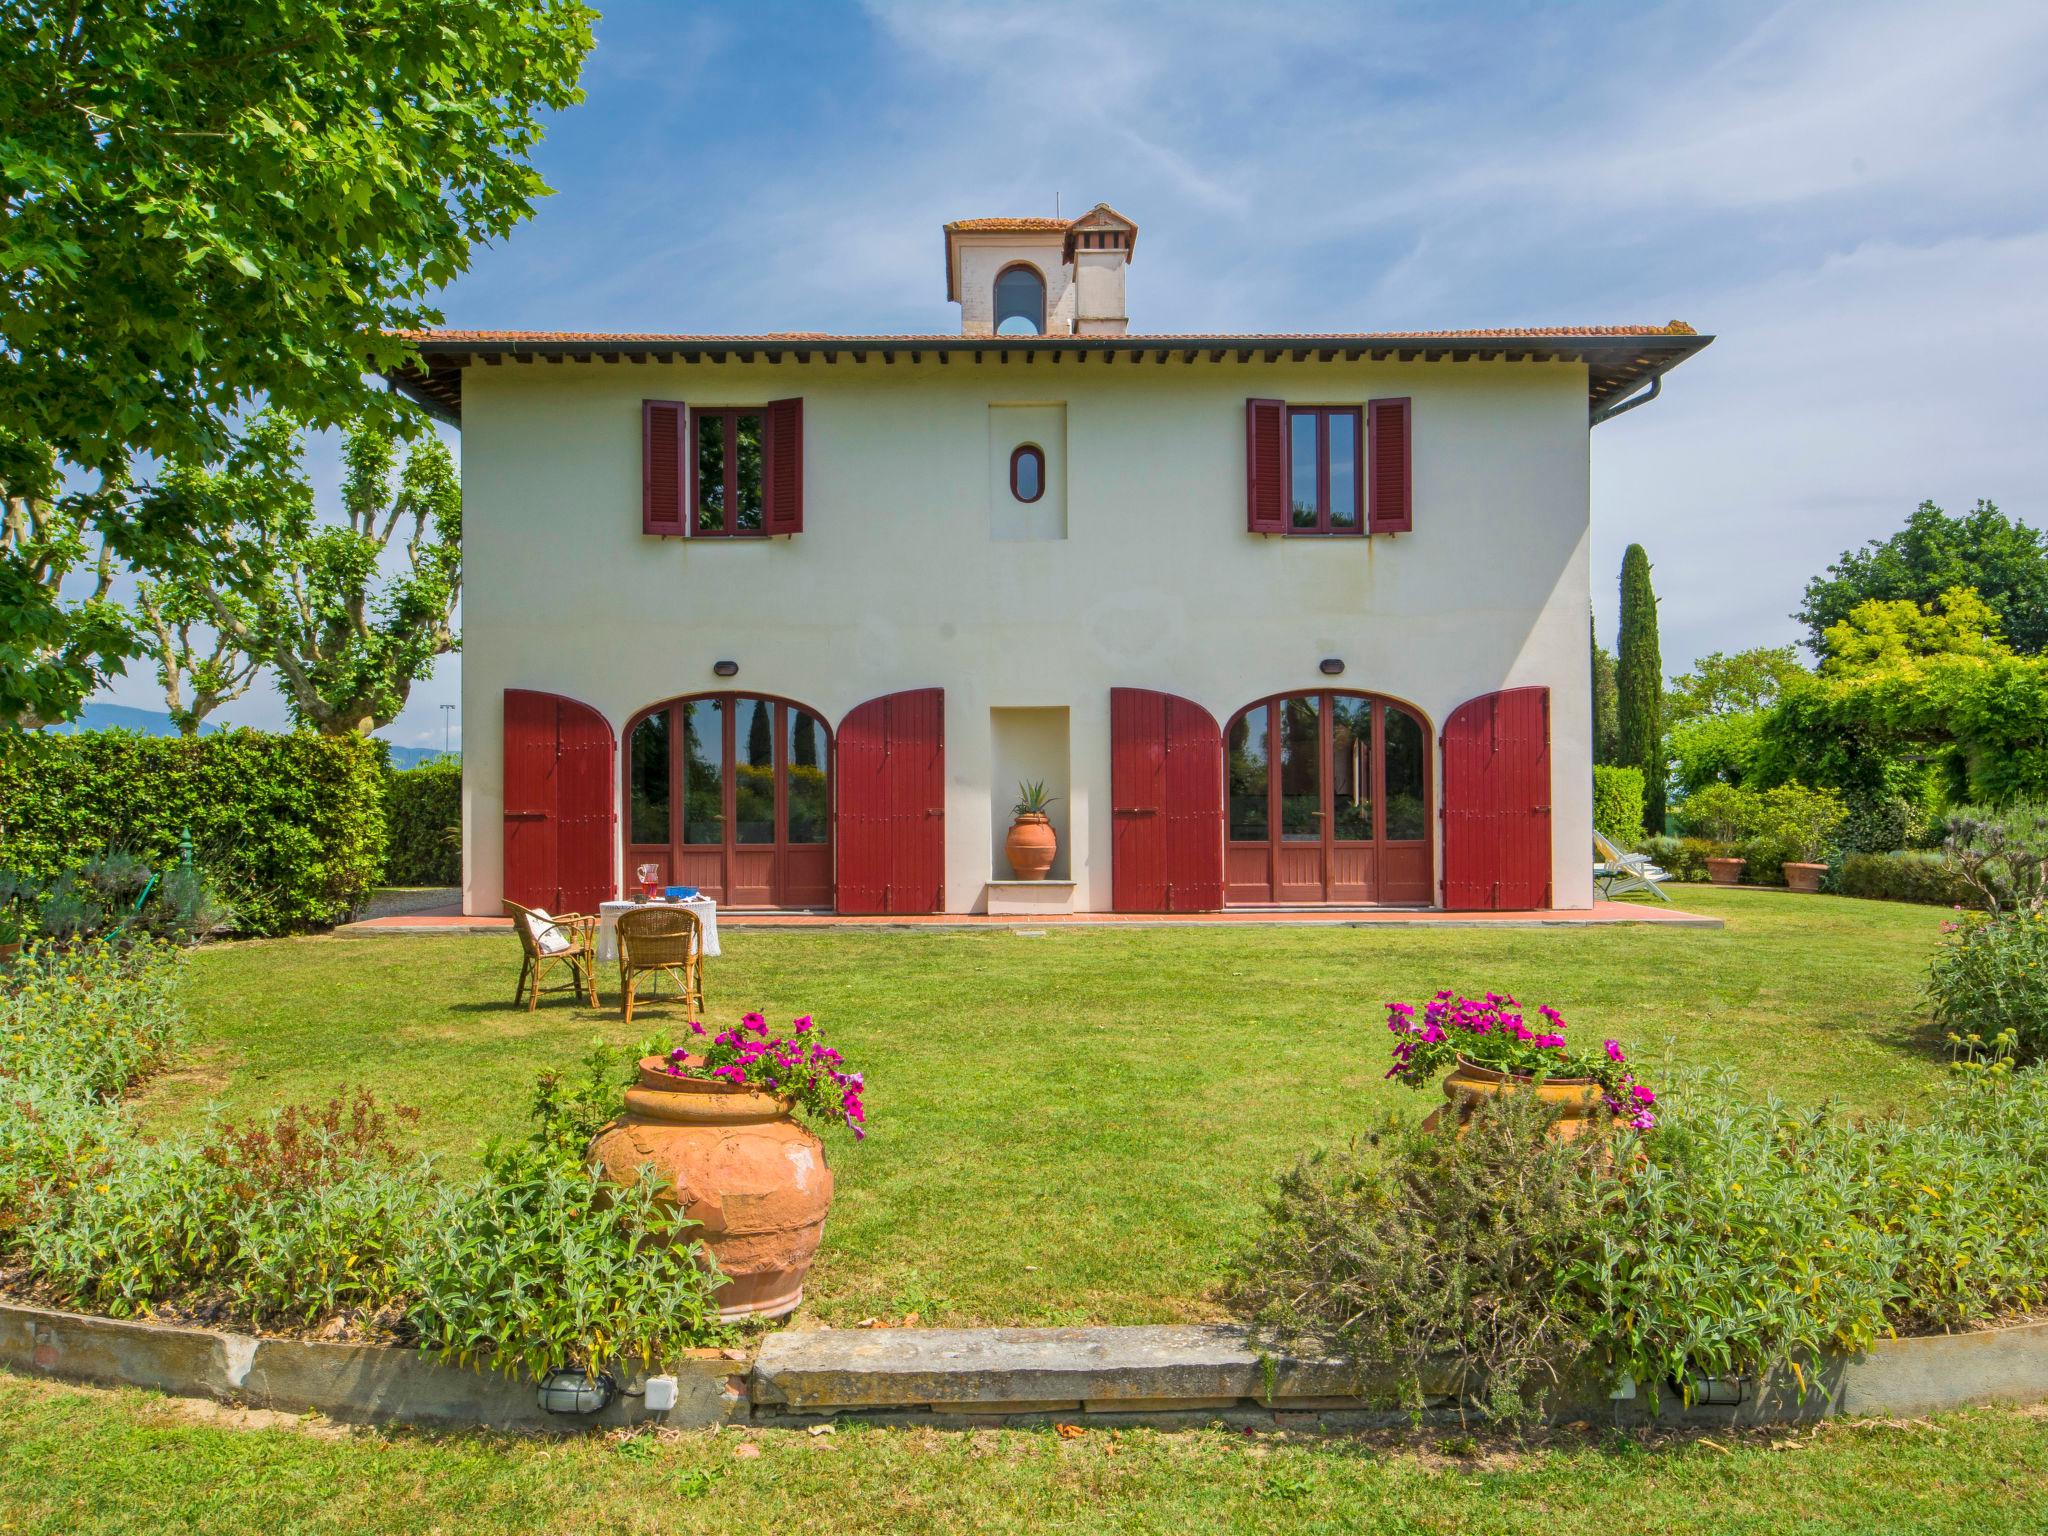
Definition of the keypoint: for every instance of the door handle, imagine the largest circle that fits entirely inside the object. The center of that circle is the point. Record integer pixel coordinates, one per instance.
(526, 815)
(1137, 810)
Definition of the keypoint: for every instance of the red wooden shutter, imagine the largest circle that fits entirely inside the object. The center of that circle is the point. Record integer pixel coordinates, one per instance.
(558, 803)
(662, 468)
(1265, 466)
(1390, 472)
(1496, 751)
(889, 779)
(1166, 803)
(783, 480)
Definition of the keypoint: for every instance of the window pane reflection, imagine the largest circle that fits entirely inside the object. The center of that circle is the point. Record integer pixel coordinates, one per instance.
(809, 800)
(704, 771)
(1302, 463)
(747, 517)
(1343, 458)
(1351, 781)
(711, 473)
(1250, 816)
(649, 815)
(753, 795)
(1301, 794)
(1405, 770)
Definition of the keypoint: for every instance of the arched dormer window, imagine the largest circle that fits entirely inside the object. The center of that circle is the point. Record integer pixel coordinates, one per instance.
(1020, 301)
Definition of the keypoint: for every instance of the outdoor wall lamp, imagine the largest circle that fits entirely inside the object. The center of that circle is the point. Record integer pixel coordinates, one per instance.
(726, 668)
(1333, 666)
(569, 1390)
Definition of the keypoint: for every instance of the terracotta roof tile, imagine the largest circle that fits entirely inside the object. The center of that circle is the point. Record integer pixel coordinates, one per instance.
(1009, 226)
(1503, 333)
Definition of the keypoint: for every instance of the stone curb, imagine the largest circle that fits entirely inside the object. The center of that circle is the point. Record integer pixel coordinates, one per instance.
(361, 1383)
(1198, 1374)
(1167, 1377)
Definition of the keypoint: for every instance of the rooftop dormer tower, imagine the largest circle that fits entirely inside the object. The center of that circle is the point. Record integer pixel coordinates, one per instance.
(1040, 277)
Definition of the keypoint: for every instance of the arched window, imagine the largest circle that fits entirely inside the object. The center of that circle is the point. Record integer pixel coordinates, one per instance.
(1328, 795)
(1020, 301)
(731, 793)
(1027, 472)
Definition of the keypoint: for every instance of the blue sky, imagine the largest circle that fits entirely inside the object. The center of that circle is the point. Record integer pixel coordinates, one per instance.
(1854, 198)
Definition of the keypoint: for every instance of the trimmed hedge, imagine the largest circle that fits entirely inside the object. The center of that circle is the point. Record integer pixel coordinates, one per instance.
(291, 827)
(1909, 876)
(1618, 803)
(420, 805)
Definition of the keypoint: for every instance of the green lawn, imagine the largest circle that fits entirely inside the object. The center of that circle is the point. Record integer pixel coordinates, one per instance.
(1078, 1127)
(79, 1462)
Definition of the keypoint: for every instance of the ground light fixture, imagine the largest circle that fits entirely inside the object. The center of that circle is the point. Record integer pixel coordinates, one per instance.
(569, 1390)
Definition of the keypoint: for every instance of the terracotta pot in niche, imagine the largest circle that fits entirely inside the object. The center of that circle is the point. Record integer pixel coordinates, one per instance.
(737, 1164)
(1031, 845)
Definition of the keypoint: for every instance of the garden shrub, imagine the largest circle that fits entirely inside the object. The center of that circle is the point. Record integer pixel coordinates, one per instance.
(1431, 1258)
(1618, 802)
(1990, 976)
(1734, 1239)
(115, 893)
(1682, 858)
(291, 826)
(1910, 874)
(423, 820)
(90, 1018)
(313, 1213)
(543, 1261)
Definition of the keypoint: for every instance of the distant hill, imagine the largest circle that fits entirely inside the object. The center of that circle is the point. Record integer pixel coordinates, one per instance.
(125, 717)
(154, 722)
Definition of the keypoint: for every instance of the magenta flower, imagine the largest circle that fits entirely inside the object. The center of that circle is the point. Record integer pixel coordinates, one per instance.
(1614, 1052)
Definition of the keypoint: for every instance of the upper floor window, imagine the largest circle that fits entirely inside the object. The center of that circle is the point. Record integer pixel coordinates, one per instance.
(721, 471)
(728, 471)
(1328, 469)
(1020, 301)
(1324, 470)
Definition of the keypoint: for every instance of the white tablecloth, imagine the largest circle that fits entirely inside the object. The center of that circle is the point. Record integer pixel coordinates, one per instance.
(608, 922)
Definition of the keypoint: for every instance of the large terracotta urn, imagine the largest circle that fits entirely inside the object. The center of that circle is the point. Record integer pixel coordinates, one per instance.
(1725, 871)
(1802, 876)
(1031, 845)
(1581, 1106)
(739, 1166)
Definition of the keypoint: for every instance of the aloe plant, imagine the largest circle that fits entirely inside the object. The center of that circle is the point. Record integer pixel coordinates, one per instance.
(1032, 799)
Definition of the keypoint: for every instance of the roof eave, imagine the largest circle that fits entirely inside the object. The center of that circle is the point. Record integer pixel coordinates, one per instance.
(1618, 363)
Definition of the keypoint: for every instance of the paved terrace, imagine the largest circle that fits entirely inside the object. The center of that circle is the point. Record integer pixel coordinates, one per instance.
(450, 919)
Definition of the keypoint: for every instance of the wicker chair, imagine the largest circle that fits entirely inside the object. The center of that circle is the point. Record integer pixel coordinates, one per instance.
(654, 940)
(546, 939)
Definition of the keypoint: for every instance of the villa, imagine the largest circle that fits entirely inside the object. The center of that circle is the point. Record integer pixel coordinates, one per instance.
(1279, 620)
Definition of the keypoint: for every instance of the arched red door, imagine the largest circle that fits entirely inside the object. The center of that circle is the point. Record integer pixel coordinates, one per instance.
(1328, 802)
(1166, 800)
(731, 793)
(1497, 803)
(558, 803)
(890, 758)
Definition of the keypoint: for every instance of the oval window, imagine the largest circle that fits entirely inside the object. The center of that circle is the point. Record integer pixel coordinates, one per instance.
(1027, 472)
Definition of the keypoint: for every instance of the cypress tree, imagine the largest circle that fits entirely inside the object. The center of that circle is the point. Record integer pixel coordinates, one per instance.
(1639, 684)
(1606, 728)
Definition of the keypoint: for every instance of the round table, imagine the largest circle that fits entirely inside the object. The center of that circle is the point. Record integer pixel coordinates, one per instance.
(608, 922)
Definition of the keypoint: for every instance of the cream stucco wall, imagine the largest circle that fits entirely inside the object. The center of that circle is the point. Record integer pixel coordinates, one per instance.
(897, 581)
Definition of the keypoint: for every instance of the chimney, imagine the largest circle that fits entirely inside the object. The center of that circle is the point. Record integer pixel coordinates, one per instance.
(1098, 247)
